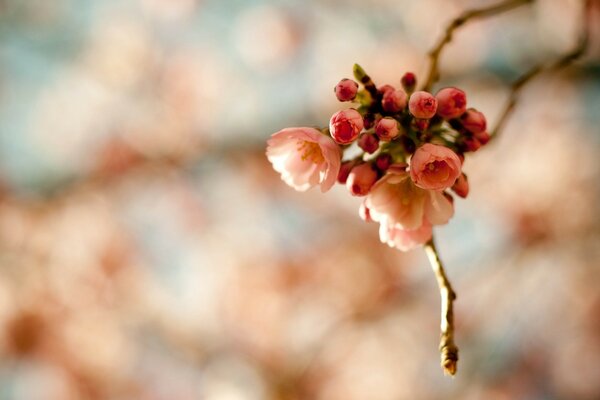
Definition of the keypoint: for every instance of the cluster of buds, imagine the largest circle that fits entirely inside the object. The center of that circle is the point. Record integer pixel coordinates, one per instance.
(410, 144)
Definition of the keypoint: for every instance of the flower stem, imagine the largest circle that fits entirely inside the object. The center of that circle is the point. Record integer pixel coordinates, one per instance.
(434, 55)
(561, 62)
(448, 349)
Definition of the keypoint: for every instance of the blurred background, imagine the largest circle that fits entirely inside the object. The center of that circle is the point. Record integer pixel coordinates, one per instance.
(148, 250)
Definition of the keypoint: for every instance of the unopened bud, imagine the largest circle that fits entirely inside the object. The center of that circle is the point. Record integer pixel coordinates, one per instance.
(383, 161)
(369, 143)
(387, 128)
(461, 186)
(361, 179)
(346, 90)
(452, 102)
(394, 101)
(473, 121)
(422, 105)
(409, 81)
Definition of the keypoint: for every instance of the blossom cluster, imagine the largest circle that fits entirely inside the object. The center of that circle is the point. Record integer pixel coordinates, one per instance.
(399, 148)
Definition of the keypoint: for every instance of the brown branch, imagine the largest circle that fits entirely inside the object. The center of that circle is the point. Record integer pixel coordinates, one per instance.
(434, 55)
(448, 349)
(561, 62)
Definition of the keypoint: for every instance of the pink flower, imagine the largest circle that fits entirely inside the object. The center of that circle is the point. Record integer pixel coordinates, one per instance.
(473, 121)
(405, 239)
(364, 213)
(394, 101)
(304, 157)
(369, 143)
(422, 105)
(395, 200)
(361, 179)
(461, 187)
(434, 167)
(345, 126)
(452, 102)
(346, 90)
(387, 128)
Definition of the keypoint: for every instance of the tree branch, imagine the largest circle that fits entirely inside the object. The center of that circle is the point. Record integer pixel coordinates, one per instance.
(448, 349)
(434, 55)
(561, 62)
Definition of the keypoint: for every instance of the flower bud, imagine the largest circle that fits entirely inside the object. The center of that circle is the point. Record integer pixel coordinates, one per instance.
(369, 120)
(473, 121)
(361, 179)
(387, 128)
(422, 105)
(394, 101)
(385, 88)
(345, 126)
(483, 137)
(364, 213)
(383, 161)
(369, 142)
(472, 143)
(461, 186)
(345, 169)
(346, 90)
(409, 81)
(452, 102)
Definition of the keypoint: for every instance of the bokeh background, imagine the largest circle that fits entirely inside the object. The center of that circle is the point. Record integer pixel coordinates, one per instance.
(148, 251)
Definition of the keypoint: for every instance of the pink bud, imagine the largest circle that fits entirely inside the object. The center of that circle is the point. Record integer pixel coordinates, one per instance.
(461, 186)
(422, 105)
(346, 90)
(364, 213)
(409, 81)
(472, 143)
(452, 102)
(361, 179)
(483, 137)
(385, 88)
(345, 126)
(369, 120)
(369, 143)
(387, 128)
(345, 169)
(383, 161)
(473, 121)
(394, 101)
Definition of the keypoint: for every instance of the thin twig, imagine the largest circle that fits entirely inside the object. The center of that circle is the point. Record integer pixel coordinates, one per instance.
(448, 349)
(561, 62)
(468, 15)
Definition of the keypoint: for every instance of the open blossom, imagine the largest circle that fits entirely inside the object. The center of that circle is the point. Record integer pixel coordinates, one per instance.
(345, 126)
(422, 105)
(452, 102)
(304, 157)
(397, 201)
(434, 167)
(405, 239)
